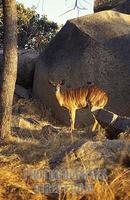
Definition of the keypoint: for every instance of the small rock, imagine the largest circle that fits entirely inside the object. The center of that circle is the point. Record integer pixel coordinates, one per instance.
(21, 91)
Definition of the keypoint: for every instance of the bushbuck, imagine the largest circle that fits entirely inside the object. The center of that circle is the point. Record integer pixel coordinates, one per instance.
(73, 99)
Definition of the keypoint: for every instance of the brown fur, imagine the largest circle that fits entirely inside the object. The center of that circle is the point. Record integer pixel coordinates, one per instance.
(81, 97)
(78, 98)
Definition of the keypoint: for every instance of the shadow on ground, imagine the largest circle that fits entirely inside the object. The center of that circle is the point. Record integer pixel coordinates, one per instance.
(33, 146)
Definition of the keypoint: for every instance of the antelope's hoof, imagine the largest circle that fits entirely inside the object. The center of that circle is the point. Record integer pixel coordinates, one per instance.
(72, 130)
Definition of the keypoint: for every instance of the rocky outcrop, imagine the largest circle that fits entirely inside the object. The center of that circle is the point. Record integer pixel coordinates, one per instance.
(91, 48)
(122, 6)
(85, 163)
(91, 155)
(112, 123)
(26, 66)
(21, 92)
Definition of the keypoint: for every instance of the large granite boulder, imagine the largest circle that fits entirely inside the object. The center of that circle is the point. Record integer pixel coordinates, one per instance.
(90, 48)
(92, 155)
(122, 6)
(83, 164)
(26, 66)
(112, 123)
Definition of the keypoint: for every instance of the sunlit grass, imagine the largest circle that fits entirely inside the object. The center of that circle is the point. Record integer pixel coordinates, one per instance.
(31, 147)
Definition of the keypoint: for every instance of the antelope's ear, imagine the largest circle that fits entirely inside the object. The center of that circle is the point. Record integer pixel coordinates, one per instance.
(62, 82)
(51, 82)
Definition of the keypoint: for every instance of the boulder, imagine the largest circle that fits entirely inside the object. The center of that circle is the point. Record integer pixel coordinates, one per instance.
(117, 5)
(83, 164)
(92, 155)
(124, 8)
(100, 5)
(26, 66)
(112, 123)
(90, 48)
(21, 91)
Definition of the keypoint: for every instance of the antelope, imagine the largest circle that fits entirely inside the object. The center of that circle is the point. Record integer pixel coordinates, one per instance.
(82, 97)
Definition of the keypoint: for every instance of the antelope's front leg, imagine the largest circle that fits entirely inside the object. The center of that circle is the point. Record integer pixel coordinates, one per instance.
(72, 113)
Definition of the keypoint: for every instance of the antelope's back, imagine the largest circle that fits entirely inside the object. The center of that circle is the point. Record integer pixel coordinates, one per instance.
(76, 97)
(97, 97)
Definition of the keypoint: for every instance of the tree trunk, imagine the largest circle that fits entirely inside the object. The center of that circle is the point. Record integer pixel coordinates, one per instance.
(9, 70)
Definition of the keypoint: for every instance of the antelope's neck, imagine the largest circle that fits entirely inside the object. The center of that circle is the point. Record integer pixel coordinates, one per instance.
(59, 96)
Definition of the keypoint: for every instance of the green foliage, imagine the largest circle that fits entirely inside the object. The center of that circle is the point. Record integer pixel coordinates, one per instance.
(33, 31)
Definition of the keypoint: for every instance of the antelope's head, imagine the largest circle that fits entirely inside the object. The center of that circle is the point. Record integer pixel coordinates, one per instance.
(57, 84)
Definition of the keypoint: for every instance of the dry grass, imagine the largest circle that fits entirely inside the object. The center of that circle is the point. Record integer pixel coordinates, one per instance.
(33, 145)
(117, 187)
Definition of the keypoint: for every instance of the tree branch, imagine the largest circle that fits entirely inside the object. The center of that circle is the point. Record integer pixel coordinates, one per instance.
(76, 6)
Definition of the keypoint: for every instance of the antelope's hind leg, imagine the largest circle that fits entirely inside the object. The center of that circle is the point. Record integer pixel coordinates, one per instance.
(96, 125)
